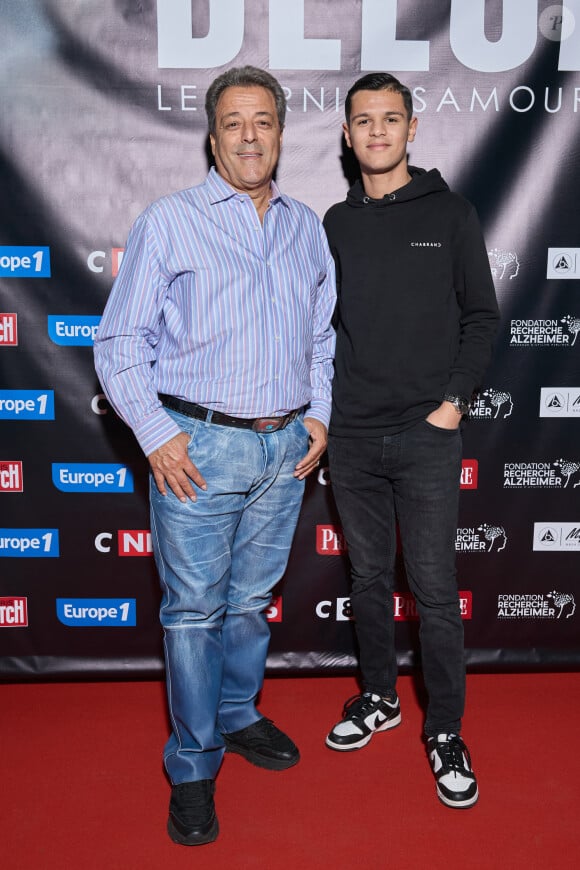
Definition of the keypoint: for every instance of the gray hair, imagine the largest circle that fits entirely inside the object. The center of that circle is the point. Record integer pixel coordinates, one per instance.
(244, 77)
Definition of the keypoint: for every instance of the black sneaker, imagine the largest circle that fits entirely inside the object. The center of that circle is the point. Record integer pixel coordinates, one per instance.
(451, 763)
(192, 819)
(263, 745)
(361, 717)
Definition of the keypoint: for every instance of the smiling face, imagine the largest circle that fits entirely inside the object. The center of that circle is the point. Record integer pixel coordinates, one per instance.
(247, 139)
(379, 131)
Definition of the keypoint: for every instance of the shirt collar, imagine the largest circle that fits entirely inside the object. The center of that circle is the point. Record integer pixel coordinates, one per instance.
(220, 190)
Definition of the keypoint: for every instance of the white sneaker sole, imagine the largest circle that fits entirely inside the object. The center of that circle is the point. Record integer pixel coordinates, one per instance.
(350, 747)
(458, 805)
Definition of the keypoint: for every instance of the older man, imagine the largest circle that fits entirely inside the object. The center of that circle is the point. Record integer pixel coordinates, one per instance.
(216, 348)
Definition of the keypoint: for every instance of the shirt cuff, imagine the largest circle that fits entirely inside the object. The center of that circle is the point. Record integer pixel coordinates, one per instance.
(320, 410)
(155, 431)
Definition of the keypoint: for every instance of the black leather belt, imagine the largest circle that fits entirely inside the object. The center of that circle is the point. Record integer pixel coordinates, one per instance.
(256, 424)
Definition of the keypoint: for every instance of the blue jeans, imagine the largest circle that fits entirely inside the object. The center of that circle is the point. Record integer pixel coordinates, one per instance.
(413, 478)
(218, 560)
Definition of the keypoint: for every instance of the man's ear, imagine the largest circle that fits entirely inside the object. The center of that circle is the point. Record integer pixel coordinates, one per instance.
(346, 132)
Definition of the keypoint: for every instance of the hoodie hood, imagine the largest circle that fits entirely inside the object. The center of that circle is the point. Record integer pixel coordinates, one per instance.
(422, 183)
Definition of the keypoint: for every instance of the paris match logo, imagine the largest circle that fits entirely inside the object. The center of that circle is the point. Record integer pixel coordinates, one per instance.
(469, 473)
(11, 476)
(13, 612)
(8, 329)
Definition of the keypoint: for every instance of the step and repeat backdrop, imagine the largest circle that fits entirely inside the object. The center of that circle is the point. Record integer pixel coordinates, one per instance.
(102, 112)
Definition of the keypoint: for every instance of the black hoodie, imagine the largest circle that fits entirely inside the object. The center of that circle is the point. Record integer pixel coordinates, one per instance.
(416, 312)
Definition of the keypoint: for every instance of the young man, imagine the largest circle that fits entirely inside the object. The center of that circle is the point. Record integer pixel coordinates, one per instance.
(216, 348)
(416, 318)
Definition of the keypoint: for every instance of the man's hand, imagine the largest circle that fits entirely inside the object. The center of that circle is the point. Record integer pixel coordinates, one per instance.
(446, 416)
(318, 440)
(171, 465)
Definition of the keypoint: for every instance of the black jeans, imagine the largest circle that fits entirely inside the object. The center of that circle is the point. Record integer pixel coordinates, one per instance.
(413, 478)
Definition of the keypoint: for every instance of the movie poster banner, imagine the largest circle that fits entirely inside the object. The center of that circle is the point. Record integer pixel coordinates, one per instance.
(103, 112)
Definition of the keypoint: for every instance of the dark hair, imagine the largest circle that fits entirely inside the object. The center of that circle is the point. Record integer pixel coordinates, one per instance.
(244, 76)
(379, 82)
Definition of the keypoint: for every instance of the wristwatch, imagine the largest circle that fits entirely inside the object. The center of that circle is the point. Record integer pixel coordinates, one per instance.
(460, 403)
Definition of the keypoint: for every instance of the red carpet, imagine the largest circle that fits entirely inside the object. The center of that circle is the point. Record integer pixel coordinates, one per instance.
(83, 788)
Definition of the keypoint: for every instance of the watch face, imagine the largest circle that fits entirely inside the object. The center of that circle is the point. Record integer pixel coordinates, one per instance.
(458, 402)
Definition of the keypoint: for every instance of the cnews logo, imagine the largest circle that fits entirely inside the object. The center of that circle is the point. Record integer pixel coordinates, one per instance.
(97, 612)
(130, 542)
(8, 329)
(100, 404)
(26, 405)
(96, 259)
(24, 262)
(29, 543)
(91, 477)
(78, 331)
(11, 476)
(13, 612)
(323, 477)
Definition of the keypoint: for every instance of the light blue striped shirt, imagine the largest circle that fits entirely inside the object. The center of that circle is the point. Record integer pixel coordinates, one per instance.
(213, 307)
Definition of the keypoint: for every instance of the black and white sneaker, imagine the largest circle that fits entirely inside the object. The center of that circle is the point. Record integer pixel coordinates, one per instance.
(451, 763)
(361, 717)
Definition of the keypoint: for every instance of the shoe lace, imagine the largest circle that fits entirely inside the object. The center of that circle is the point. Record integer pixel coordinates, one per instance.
(266, 727)
(358, 706)
(194, 798)
(453, 754)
